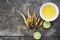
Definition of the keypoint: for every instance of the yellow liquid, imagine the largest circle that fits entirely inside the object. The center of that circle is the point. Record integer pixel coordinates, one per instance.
(48, 11)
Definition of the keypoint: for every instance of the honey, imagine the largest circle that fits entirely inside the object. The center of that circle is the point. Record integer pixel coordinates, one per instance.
(48, 11)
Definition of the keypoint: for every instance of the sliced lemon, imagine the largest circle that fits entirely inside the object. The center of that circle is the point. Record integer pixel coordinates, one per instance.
(37, 35)
(46, 24)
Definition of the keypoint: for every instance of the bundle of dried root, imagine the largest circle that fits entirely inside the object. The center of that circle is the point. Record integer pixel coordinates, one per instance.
(32, 21)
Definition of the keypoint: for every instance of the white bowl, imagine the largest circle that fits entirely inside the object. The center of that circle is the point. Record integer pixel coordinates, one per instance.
(57, 12)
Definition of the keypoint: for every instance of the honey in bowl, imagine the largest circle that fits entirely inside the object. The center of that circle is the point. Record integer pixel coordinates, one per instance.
(49, 11)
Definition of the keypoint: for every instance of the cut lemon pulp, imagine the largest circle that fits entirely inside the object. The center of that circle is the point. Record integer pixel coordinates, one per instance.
(48, 11)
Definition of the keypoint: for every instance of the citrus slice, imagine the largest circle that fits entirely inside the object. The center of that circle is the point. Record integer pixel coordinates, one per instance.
(37, 35)
(46, 24)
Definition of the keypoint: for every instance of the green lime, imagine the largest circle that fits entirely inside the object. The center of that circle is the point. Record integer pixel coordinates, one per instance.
(37, 35)
(46, 24)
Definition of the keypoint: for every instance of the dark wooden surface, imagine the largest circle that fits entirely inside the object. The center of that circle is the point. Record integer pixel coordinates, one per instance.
(12, 24)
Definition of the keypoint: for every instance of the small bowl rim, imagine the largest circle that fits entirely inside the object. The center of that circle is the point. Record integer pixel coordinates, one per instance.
(57, 11)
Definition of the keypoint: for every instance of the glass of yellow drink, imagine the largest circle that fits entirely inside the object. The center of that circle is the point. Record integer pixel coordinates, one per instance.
(49, 11)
